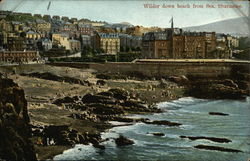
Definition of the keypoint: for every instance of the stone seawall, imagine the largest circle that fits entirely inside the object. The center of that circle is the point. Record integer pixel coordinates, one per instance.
(158, 70)
(152, 69)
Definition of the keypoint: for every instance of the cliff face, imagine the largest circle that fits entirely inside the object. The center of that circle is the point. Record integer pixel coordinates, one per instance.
(15, 143)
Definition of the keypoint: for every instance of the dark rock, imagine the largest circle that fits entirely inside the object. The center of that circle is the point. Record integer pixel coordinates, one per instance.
(76, 98)
(15, 133)
(215, 89)
(103, 76)
(217, 148)
(157, 134)
(99, 146)
(120, 94)
(163, 122)
(86, 115)
(37, 130)
(64, 100)
(100, 82)
(134, 103)
(219, 140)
(89, 98)
(125, 119)
(86, 82)
(230, 83)
(108, 94)
(218, 113)
(60, 134)
(77, 106)
(104, 109)
(179, 79)
(63, 135)
(122, 141)
(50, 76)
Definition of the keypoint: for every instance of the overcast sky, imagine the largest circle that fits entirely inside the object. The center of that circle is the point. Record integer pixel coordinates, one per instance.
(132, 11)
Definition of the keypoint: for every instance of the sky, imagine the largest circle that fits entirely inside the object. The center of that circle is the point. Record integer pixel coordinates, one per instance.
(133, 11)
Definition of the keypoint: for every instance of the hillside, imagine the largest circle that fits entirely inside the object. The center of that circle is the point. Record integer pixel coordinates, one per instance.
(236, 26)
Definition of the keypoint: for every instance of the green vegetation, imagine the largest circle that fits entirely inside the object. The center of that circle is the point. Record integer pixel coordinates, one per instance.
(21, 18)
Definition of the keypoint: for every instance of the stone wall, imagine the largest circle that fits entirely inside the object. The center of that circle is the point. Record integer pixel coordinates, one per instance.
(195, 69)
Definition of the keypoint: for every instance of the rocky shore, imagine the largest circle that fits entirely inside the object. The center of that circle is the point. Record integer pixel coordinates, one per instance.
(217, 89)
(67, 109)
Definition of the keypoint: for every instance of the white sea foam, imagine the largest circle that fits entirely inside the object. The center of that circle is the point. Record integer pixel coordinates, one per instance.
(76, 153)
(193, 114)
(182, 102)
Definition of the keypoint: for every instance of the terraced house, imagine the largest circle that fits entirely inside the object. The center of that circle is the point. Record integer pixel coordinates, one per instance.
(108, 42)
(43, 26)
(173, 43)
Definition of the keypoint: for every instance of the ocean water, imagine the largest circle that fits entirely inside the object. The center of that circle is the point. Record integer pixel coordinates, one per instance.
(193, 114)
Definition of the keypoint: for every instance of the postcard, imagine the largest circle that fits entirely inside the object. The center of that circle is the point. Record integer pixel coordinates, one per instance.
(123, 80)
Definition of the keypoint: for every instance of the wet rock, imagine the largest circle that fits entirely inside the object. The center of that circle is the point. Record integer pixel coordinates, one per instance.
(215, 89)
(122, 141)
(157, 133)
(218, 140)
(63, 135)
(15, 132)
(99, 146)
(217, 148)
(125, 119)
(218, 113)
(163, 122)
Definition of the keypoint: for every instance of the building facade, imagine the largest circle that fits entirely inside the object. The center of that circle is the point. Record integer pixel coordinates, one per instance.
(85, 29)
(44, 44)
(86, 40)
(16, 43)
(75, 45)
(61, 40)
(18, 56)
(108, 42)
(130, 42)
(43, 26)
(173, 43)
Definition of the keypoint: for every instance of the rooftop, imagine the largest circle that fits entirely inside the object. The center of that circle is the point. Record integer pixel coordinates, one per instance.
(108, 35)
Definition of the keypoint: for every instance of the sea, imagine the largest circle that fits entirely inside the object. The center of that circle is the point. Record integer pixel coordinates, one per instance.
(194, 116)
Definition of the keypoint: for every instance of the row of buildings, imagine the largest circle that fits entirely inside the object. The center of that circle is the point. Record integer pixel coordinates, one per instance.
(34, 33)
(174, 43)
